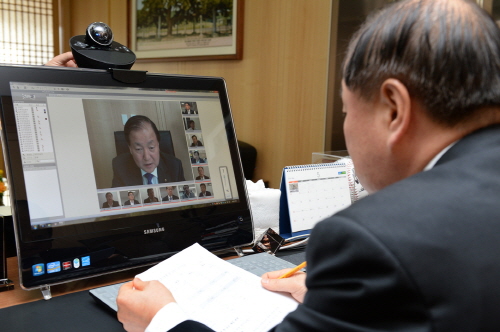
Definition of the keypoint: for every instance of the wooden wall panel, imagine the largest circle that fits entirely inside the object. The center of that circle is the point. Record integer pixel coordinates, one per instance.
(277, 91)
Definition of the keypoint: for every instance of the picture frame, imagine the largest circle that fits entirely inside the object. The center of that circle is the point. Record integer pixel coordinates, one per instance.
(189, 34)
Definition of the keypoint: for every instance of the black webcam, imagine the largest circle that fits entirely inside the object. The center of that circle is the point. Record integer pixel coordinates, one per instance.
(96, 49)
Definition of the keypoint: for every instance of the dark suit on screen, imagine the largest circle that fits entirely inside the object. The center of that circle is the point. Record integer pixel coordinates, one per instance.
(148, 200)
(126, 172)
(127, 202)
(419, 255)
(205, 194)
(204, 177)
(106, 206)
(174, 198)
(199, 161)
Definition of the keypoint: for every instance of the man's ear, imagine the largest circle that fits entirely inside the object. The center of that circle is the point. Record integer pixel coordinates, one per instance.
(396, 100)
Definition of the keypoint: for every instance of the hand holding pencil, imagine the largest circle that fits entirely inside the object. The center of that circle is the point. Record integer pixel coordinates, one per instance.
(292, 271)
(290, 281)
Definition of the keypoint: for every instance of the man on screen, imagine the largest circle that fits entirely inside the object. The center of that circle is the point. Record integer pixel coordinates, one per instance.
(201, 173)
(145, 163)
(170, 195)
(204, 192)
(191, 126)
(195, 141)
(131, 199)
(186, 193)
(196, 158)
(188, 110)
(109, 201)
(151, 197)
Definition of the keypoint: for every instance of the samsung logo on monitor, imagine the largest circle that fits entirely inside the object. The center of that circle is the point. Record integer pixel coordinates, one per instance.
(154, 230)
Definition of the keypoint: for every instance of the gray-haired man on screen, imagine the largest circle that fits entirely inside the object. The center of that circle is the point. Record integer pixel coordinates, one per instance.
(144, 163)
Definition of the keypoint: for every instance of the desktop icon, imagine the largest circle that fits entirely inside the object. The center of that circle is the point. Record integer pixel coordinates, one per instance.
(38, 269)
(66, 265)
(86, 261)
(76, 263)
(53, 267)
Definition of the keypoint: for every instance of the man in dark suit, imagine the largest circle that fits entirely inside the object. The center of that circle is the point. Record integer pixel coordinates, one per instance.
(195, 142)
(196, 158)
(204, 192)
(151, 197)
(109, 202)
(421, 95)
(131, 199)
(170, 195)
(145, 164)
(188, 110)
(201, 174)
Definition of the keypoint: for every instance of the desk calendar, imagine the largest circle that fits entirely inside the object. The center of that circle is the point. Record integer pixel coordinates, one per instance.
(311, 193)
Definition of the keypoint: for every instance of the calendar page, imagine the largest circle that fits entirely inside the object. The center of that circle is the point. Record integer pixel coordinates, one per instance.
(315, 192)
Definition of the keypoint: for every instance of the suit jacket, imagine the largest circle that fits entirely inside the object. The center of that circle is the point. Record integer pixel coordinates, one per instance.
(200, 161)
(127, 202)
(165, 199)
(154, 200)
(106, 206)
(191, 195)
(199, 177)
(207, 193)
(419, 255)
(126, 172)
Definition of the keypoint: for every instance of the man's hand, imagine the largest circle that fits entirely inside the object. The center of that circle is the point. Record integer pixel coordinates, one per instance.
(295, 285)
(139, 301)
(63, 60)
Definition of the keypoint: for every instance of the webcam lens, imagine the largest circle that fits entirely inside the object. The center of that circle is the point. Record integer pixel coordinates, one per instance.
(100, 33)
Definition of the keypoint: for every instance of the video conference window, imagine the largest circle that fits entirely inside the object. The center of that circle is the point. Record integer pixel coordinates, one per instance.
(130, 198)
(202, 172)
(192, 124)
(195, 140)
(204, 190)
(198, 157)
(144, 150)
(169, 194)
(189, 107)
(108, 200)
(131, 153)
(188, 192)
(150, 195)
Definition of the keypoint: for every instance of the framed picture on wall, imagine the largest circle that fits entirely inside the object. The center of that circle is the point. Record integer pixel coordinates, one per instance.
(181, 30)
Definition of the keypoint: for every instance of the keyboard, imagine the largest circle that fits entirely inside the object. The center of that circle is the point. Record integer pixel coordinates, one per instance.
(257, 264)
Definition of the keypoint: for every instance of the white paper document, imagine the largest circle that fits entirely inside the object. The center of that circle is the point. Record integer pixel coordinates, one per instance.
(218, 294)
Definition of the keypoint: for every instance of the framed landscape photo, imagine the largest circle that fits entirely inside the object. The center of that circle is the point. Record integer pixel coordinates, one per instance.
(180, 30)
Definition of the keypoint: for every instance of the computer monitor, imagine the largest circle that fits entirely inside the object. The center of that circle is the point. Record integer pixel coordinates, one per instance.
(83, 203)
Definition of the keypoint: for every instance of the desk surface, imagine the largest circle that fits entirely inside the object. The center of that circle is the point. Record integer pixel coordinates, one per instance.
(20, 296)
(71, 308)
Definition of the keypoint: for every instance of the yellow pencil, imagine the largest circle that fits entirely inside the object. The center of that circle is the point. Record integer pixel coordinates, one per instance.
(292, 271)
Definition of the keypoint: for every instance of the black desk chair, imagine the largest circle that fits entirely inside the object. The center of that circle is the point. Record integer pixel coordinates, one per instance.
(248, 154)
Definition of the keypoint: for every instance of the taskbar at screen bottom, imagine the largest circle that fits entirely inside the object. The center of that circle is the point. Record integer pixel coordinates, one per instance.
(76, 221)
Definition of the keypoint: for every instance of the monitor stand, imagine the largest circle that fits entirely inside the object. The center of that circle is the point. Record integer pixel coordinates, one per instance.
(47, 295)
